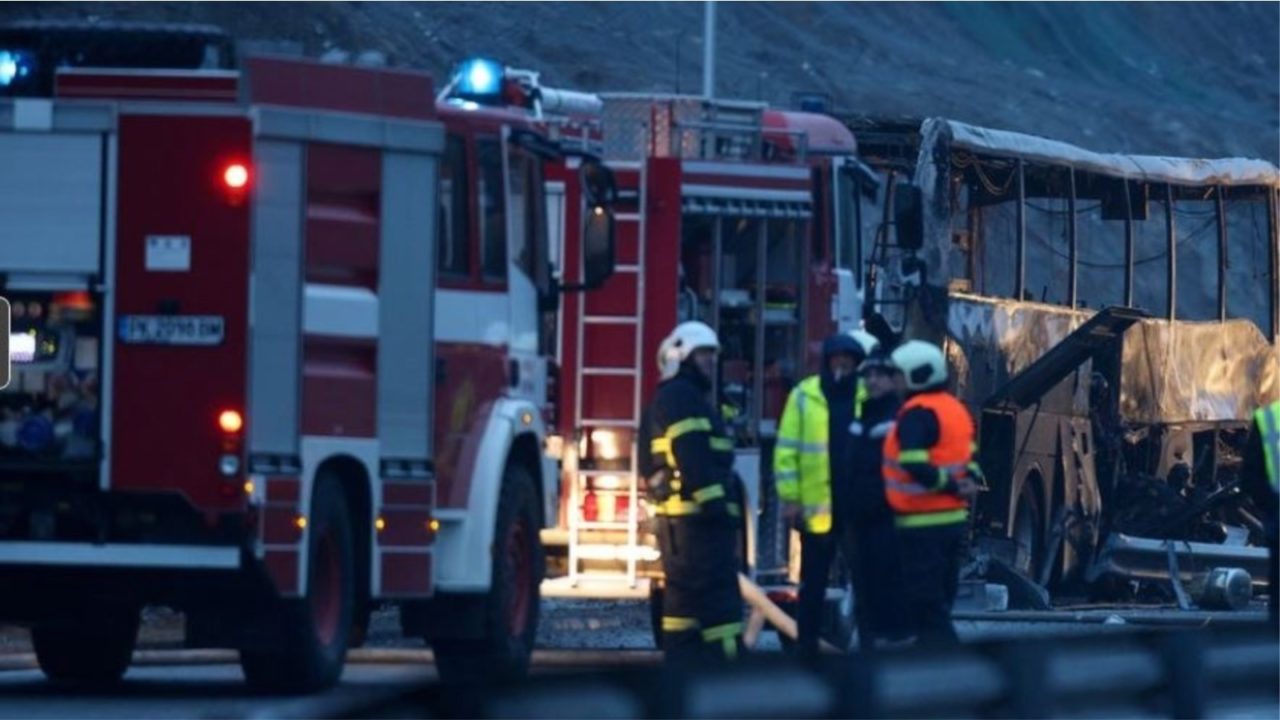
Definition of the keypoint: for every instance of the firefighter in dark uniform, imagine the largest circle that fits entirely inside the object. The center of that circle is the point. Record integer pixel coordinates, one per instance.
(1261, 475)
(877, 576)
(930, 476)
(689, 479)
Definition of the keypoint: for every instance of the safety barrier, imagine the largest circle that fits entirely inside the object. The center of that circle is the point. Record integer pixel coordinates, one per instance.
(1182, 673)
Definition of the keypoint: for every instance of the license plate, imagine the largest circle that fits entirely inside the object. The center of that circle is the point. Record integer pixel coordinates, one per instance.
(171, 329)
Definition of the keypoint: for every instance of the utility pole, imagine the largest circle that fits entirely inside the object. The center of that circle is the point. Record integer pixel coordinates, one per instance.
(709, 50)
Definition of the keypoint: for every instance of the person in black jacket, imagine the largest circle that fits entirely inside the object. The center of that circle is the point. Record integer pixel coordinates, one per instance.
(688, 470)
(875, 568)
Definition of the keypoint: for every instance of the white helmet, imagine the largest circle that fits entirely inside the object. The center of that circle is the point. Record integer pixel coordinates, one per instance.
(868, 341)
(922, 364)
(680, 344)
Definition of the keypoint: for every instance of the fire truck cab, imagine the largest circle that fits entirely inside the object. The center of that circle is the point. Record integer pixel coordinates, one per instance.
(280, 338)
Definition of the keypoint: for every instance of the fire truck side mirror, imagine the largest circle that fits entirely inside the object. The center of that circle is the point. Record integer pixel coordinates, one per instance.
(599, 249)
(599, 245)
(908, 216)
(598, 182)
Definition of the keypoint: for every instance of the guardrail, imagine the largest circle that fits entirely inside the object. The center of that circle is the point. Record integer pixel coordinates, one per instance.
(1182, 673)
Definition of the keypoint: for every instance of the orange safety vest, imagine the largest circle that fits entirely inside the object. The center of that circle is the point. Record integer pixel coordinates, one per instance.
(916, 505)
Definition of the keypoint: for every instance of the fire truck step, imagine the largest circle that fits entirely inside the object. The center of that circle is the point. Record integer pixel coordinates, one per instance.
(596, 551)
(614, 587)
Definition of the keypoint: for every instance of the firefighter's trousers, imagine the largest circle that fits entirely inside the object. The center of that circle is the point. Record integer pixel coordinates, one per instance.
(702, 606)
(877, 581)
(930, 578)
(816, 555)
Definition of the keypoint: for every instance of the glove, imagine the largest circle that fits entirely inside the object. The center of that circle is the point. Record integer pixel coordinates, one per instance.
(658, 486)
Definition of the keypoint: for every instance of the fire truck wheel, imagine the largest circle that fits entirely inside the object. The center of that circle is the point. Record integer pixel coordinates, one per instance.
(512, 604)
(87, 652)
(318, 626)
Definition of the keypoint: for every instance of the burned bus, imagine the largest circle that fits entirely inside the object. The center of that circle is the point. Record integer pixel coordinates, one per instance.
(1111, 322)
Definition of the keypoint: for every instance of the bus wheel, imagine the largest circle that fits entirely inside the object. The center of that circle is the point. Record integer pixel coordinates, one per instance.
(316, 628)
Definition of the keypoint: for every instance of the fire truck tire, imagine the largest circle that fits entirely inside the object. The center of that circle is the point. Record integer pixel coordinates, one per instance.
(317, 628)
(513, 601)
(91, 652)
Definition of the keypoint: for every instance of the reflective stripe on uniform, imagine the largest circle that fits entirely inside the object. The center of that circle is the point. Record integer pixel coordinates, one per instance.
(709, 493)
(673, 623)
(919, 520)
(686, 426)
(665, 445)
(920, 457)
(662, 446)
(676, 507)
(801, 446)
(727, 635)
(882, 430)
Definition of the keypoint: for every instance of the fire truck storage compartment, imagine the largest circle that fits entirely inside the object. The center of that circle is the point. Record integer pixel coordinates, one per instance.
(742, 272)
(51, 232)
(51, 203)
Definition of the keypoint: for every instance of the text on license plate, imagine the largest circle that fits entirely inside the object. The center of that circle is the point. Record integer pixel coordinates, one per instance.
(172, 329)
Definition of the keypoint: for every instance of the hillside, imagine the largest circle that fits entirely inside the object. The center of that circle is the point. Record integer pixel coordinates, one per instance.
(1197, 79)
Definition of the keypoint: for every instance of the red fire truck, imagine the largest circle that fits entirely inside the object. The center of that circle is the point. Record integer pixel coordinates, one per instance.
(279, 356)
(728, 212)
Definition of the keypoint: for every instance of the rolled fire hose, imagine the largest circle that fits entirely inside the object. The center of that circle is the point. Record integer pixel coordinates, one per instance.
(766, 609)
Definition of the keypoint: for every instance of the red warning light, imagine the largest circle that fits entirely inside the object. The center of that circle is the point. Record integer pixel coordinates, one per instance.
(236, 176)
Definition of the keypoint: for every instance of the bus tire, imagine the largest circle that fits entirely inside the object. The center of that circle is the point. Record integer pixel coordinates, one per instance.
(317, 627)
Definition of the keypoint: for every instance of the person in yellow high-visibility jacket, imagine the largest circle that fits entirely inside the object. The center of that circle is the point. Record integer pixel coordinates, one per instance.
(814, 430)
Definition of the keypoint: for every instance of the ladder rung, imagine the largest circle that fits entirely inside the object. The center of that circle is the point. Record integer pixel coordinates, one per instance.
(599, 473)
(609, 320)
(613, 372)
(602, 525)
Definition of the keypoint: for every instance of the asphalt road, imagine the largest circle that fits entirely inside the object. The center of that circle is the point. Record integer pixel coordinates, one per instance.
(195, 691)
(573, 634)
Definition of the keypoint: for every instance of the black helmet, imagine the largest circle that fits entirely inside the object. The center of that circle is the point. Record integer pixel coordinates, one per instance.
(879, 360)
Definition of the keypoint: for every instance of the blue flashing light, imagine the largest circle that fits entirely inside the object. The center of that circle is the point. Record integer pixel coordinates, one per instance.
(13, 65)
(480, 76)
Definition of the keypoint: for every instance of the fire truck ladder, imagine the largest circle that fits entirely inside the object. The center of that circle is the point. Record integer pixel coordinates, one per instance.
(632, 551)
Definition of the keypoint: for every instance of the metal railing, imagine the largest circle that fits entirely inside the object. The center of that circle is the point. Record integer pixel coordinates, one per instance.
(1183, 673)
